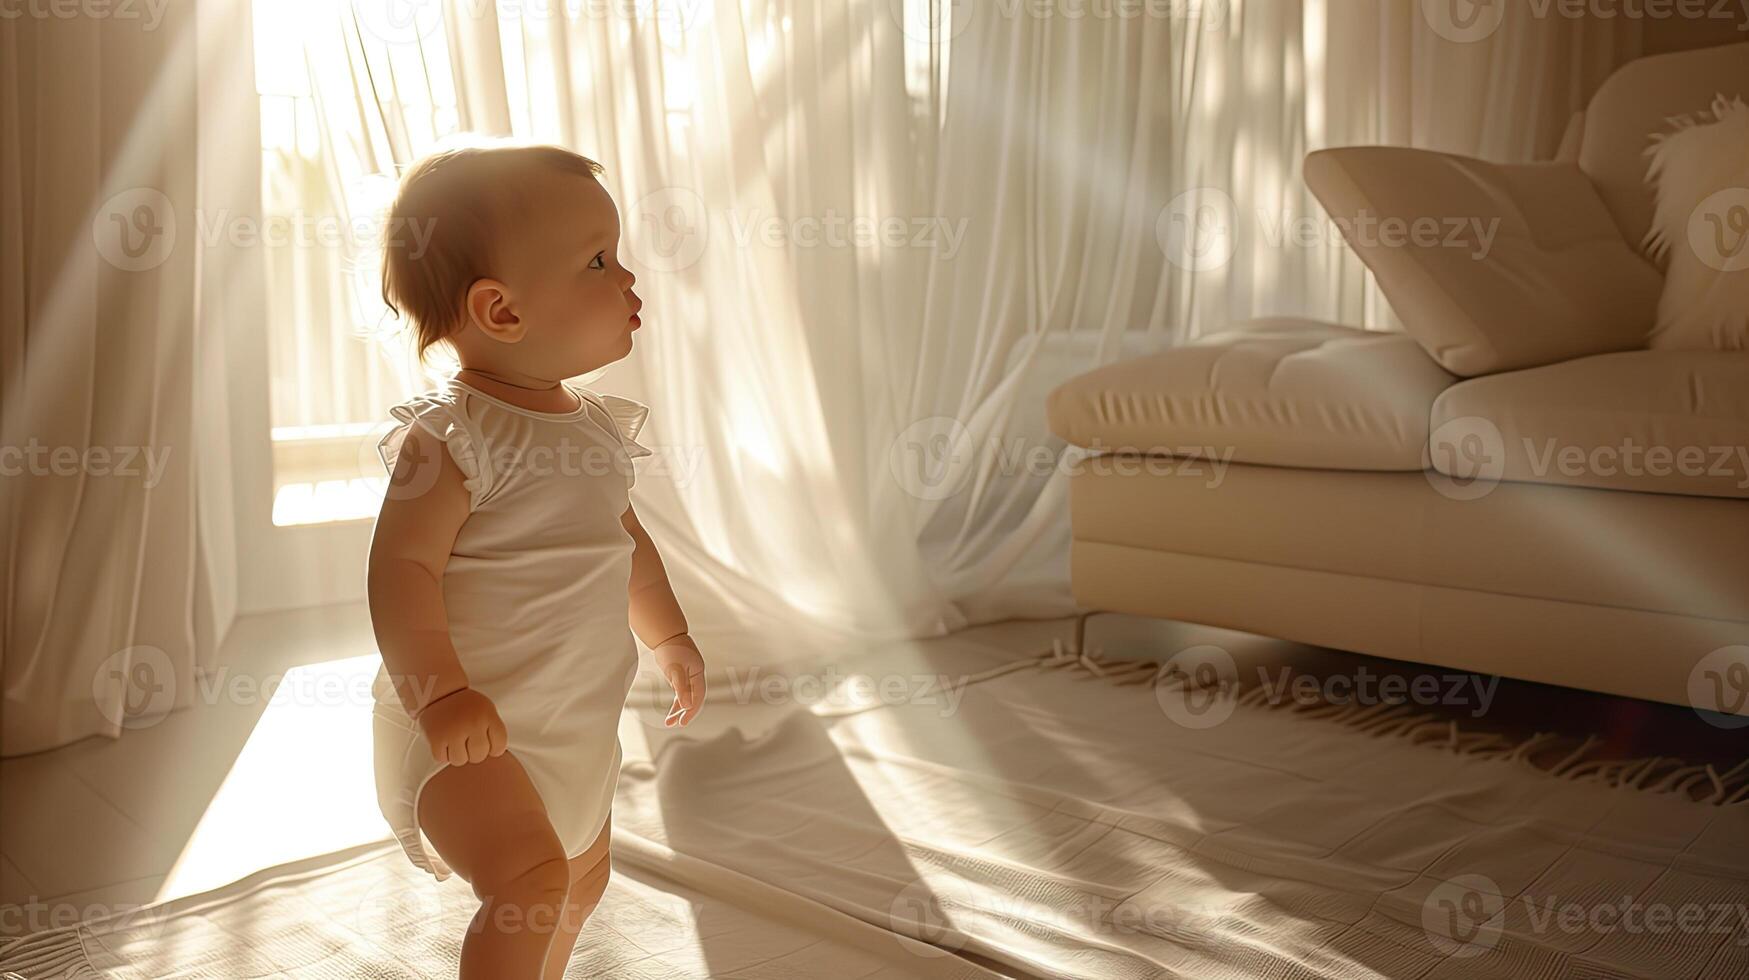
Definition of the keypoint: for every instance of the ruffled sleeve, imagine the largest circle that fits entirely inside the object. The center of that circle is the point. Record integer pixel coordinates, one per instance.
(444, 416)
(629, 416)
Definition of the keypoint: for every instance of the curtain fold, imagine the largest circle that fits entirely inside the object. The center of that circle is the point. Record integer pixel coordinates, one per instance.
(871, 236)
(117, 584)
(850, 422)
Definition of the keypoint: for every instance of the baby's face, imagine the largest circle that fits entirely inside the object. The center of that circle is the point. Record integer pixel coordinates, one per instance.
(563, 271)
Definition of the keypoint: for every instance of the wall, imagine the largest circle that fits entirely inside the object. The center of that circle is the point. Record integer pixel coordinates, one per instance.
(1680, 34)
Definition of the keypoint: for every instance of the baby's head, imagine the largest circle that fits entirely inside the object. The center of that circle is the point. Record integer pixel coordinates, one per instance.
(516, 264)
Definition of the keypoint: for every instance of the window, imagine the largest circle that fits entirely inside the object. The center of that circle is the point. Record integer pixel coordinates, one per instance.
(338, 100)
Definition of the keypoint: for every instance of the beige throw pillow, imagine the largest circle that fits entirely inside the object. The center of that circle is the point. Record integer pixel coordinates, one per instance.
(1701, 174)
(1504, 266)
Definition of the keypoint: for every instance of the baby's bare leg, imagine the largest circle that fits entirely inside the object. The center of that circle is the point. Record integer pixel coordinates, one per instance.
(487, 821)
(589, 874)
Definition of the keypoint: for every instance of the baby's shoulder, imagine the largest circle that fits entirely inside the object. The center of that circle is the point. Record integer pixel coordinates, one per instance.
(441, 415)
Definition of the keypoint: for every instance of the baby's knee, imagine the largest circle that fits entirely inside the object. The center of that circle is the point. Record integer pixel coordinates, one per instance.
(525, 895)
(525, 868)
(592, 883)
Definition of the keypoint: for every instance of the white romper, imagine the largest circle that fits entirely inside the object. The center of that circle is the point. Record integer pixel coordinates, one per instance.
(536, 596)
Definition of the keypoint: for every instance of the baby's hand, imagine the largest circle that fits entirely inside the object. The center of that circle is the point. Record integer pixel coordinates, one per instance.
(683, 667)
(463, 727)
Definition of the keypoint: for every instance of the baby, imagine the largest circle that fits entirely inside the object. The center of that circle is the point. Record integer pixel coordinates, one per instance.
(508, 571)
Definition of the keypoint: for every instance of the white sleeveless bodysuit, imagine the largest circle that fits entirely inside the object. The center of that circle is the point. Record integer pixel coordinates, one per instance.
(536, 595)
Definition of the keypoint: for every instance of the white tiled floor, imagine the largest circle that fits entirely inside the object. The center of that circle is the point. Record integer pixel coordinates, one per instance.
(103, 822)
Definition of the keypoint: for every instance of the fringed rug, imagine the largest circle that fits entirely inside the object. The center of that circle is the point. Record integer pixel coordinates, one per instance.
(1064, 816)
(1071, 816)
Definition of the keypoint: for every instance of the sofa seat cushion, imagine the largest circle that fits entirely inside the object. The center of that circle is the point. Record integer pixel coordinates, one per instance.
(1655, 421)
(1280, 392)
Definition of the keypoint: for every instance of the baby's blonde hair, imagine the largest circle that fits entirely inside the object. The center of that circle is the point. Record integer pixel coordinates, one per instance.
(464, 195)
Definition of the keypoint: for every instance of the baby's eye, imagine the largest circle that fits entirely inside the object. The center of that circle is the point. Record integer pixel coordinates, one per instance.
(597, 263)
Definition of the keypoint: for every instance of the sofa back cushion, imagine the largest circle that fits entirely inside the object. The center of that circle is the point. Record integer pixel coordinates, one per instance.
(1639, 101)
(1492, 267)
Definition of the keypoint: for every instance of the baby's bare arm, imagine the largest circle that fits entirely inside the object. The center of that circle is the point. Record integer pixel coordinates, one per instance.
(655, 612)
(421, 514)
(657, 620)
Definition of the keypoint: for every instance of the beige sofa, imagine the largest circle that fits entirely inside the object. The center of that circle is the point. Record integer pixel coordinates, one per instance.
(1468, 505)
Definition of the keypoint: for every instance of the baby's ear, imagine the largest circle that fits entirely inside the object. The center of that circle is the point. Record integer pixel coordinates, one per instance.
(488, 308)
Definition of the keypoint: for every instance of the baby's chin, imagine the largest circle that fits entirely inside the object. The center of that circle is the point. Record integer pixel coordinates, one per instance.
(600, 358)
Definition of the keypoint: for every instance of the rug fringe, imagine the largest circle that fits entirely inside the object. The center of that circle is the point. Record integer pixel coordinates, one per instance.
(55, 954)
(1657, 775)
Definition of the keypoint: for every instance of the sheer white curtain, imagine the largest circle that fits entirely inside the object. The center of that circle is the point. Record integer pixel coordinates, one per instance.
(872, 234)
(118, 576)
(854, 311)
(853, 430)
(1068, 147)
